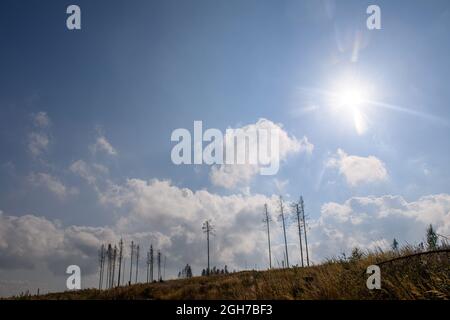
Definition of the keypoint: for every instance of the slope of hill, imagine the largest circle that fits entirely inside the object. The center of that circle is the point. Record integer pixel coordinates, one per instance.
(405, 275)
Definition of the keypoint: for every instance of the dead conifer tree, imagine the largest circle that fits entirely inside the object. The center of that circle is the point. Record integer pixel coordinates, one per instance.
(137, 263)
(159, 266)
(151, 263)
(120, 261)
(302, 207)
(114, 257)
(107, 267)
(208, 229)
(298, 217)
(284, 231)
(267, 220)
(124, 269)
(109, 270)
(101, 256)
(131, 260)
(148, 265)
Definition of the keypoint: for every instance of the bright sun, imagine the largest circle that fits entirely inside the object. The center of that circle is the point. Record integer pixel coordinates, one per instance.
(349, 98)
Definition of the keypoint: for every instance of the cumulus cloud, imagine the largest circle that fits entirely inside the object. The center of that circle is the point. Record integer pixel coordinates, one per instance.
(84, 170)
(51, 183)
(156, 200)
(38, 143)
(356, 169)
(230, 176)
(170, 217)
(94, 174)
(39, 138)
(372, 222)
(41, 120)
(29, 240)
(237, 175)
(153, 211)
(178, 213)
(103, 145)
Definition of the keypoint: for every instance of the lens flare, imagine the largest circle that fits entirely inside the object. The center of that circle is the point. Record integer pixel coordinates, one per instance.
(349, 97)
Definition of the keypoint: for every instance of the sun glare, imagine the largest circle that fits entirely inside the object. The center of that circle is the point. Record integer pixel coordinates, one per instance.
(349, 98)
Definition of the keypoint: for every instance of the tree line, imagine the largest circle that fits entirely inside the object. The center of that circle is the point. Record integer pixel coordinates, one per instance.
(112, 265)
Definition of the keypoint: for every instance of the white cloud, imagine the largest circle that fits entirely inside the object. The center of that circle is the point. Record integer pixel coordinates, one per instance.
(230, 176)
(81, 168)
(239, 175)
(41, 120)
(96, 175)
(371, 222)
(358, 170)
(171, 217)
(29, 240)
(159, 210)
(51, 183)
(103, 145)
(38, 143)
(39, 139)
(280, 185)
(101, 168)
(152, 212)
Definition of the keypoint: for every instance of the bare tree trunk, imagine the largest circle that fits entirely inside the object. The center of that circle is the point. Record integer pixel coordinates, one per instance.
(113, 266)
(159, 265)
(151, 263)
(124, 269)
(148, 263)
(137, 263)
(207, 228)
(297, 213)
(120, 261)
(102, 264)
(131, 261)
(284, 231)
(267, 221)
(302, 206)
(109, 266)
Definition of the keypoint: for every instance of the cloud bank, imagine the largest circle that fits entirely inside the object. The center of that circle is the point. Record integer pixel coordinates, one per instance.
(170, 217)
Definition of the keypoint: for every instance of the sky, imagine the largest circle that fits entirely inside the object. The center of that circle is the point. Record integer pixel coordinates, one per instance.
(86, 118)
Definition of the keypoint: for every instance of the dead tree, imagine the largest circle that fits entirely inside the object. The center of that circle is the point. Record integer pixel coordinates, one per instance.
(114, 257)
(148, 264)
(107, 267)
(208, 229)
(284, 231)
(124, 269)
(267, 220)
(299, 219)
(137, 263)
(109, 256)
(159, 266)
(151, 263)
(120, 261)
(302, 207)
(131, 260)
(101, 256)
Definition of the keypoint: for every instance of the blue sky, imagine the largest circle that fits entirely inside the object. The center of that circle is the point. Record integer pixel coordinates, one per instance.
(110, 95)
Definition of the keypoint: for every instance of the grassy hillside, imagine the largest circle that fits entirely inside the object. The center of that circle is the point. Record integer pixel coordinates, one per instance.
(404, 275)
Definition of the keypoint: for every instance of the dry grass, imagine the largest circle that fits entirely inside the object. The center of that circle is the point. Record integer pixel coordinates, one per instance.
(415, 277)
